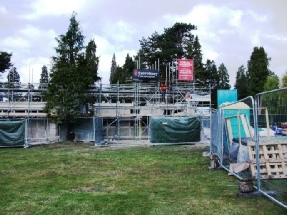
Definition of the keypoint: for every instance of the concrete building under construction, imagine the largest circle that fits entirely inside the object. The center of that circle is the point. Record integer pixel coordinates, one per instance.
(120, 111)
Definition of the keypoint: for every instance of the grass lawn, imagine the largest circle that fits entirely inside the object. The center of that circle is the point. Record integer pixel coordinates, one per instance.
(75, 178)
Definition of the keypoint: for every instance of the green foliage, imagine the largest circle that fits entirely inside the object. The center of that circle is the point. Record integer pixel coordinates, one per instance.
(5, 61)
(284, 81)
(92, 62)
(44, 79)
(122, 75)
(242, 83)
(258, 70)
(74, 69)
(223, 78)
(44, 75)
(175, 43)
(113, 70)
(128, 68)
(13, 76)
(271, 83)
(211, 80)
(194, 53)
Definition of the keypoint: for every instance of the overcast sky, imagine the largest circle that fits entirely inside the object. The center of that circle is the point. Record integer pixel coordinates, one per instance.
(227, 30)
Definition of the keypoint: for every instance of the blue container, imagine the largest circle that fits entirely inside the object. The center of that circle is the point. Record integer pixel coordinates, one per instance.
(224, 96)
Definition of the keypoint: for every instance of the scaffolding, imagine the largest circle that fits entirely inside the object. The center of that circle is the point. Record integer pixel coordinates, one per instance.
(124, 109)
(25, 101)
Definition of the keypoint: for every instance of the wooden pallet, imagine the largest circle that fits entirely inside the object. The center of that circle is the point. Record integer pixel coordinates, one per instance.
(268, 152)
(273, 159)
(270, 170)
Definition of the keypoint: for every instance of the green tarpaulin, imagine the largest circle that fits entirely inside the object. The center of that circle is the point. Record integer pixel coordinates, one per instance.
(174, 129)
(12, 133)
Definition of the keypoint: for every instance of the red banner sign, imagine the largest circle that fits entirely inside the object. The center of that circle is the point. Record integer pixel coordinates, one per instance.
(185, 69)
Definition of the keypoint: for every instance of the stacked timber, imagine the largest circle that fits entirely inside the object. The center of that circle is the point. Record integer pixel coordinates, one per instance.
(272, 157)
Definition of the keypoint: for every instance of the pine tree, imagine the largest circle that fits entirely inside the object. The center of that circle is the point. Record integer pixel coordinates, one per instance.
(194, 53)
(212, 80)
(44, 79)
(173, 44)
(258, 70)
(128, 68)
(92, 62)
(113, 70)
(72, 72)
(223, 77)
(13, 77)
(242, 83)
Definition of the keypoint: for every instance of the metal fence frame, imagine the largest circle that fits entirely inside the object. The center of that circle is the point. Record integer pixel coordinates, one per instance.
(257, 142)
(217, 140)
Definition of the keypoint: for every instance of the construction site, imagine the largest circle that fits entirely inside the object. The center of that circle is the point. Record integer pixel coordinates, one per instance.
(122, 112)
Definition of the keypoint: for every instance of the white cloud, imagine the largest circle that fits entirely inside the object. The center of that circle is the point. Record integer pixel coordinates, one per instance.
(12, 43)
(54, 7)
(235, 18)
(105, 51)
(277, 37)
(3, 10)
(31, 69)
(257, 17)
(120, 31)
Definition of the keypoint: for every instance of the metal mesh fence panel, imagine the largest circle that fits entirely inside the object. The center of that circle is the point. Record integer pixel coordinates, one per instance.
(269, 153)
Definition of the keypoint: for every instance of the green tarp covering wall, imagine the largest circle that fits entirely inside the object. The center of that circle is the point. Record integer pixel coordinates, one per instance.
(12, 133)
(174, 129)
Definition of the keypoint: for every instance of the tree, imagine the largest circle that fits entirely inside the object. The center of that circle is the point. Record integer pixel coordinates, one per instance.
(72, 72)
(117, 77)
(271, 83)
(92, 62)
(5, 61)
(284, 80)
(258, 70)
(44, 79)
(128, 68)
(242, 83)
(13, 76)
(194, 53)
(113, 70)
(212, 80)
(175, 43)
(223, 77)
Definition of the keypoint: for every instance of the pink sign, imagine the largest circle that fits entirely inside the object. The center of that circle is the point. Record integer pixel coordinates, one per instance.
(185, 69)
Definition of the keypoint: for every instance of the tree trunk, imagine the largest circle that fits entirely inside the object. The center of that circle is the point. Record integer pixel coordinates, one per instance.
(67, 131)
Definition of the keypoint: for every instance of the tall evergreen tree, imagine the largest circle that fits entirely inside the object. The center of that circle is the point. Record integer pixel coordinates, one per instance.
(13, 76)
(44, 79)
(92, 62)
(5, 61)
(113, 70)
(258, 70)
(212, 80)
(223, 77)
(242, 83)
(194, 53)
(71, 74)
(117, 76)
(128, 67)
